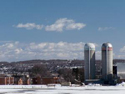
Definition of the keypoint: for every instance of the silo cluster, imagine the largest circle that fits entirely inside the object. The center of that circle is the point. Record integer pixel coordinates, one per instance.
(107, 61)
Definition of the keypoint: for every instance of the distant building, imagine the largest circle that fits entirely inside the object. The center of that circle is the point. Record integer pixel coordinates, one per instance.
(50, 80)
(20, 81)
(6, 80)
(121, 71)
(36, 80)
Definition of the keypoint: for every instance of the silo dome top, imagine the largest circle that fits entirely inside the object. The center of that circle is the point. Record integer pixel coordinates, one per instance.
(89, 46)
(107, 45)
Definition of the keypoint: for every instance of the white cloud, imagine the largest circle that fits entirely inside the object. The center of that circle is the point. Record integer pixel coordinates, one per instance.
(105, 28)
(29, 26)
(64, 24)
(59, 25)
(122, 49)
(16, 51)
(120, 56)
(98, 55)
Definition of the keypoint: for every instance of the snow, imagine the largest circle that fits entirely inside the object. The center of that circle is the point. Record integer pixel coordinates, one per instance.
(58, 89)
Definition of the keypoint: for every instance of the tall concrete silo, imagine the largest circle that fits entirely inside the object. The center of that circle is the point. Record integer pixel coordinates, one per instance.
(89, 58)
(107, 61)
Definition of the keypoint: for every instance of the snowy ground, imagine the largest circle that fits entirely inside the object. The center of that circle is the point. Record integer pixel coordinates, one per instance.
(42, 89)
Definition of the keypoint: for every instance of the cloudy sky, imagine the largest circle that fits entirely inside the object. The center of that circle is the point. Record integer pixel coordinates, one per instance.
(58, 29)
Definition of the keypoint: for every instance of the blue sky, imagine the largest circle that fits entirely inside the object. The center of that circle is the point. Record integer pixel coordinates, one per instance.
(69, 23)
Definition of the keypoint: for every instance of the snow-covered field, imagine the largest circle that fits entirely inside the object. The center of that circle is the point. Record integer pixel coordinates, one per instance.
(43, 89)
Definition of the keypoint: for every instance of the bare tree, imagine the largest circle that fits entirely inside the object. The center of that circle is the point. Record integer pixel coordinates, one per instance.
(71, 75)
(67, 74)
(40, 70)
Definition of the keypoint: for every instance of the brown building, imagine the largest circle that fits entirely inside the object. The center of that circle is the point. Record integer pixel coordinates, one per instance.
(20, 82)
(46, 80)
(28, 81)
(36, 80)
(53, 80)
(6, 80)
